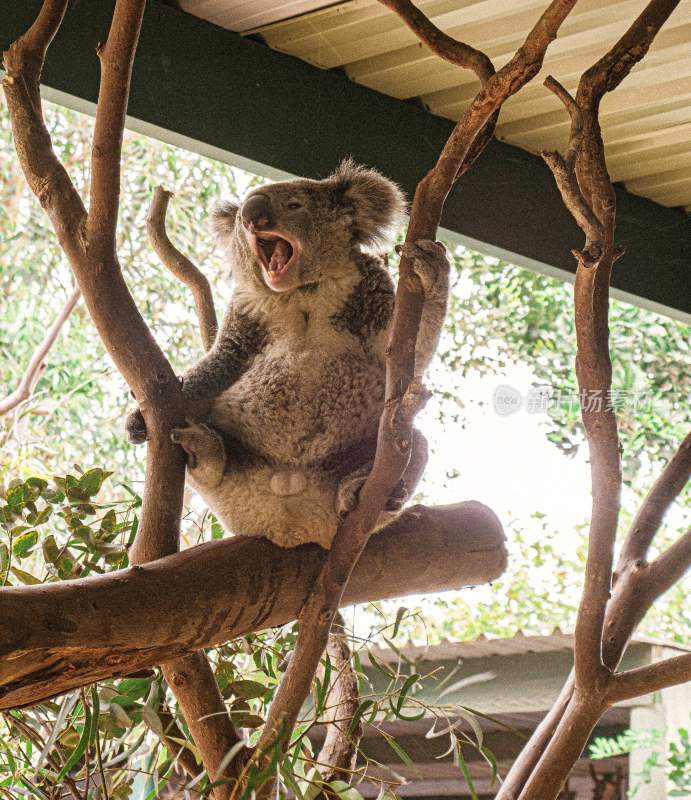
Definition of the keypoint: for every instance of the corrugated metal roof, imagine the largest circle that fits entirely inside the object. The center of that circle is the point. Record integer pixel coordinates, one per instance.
(646, 123)
(484, 647)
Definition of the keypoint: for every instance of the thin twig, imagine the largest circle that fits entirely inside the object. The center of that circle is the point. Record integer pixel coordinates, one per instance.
(183, 269)
(37, 364)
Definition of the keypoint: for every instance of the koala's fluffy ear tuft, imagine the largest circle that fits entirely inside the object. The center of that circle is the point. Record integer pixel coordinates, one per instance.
(376, 204)
(223, 220)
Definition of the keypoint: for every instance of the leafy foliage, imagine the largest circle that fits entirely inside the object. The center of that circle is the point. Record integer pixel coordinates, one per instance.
(676, 765)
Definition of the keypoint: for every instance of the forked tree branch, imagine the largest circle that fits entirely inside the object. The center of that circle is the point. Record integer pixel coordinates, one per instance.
(89, 243)
(458, 53)
(191, 677)
(404, 397)
(601, 633)
(37, 364)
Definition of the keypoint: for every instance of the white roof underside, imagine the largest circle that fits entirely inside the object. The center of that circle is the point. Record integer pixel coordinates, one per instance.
(646, 122)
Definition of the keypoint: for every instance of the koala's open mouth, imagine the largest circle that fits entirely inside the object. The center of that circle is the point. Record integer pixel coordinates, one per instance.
(276, 253)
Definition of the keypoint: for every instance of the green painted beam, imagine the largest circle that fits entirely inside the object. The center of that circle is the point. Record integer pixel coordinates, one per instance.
(211, 90)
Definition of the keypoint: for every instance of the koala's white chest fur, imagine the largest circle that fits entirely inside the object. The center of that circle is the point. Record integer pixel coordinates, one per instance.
(311, 392)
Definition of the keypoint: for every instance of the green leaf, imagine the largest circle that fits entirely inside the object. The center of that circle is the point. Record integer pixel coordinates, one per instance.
(92, 480)
(466, 773)
(22, 545)
(244, 719)
(410, 681)
(25, 577)
(84, 740)
(364, 706)
(247, 689)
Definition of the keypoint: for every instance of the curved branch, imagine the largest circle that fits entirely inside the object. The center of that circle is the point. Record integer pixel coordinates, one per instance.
(440, 43)
(58, 636)
(37, 364)
(183, 269)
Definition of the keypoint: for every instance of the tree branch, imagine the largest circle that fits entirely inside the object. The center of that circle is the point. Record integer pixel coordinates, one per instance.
(458, 53)
(37, 364)
(117, 60)
(662, 494)
(58, 636)
(336, 759)
(653, 678)
(600, 635)
(191, 676)
(183, 269)
(404, 397)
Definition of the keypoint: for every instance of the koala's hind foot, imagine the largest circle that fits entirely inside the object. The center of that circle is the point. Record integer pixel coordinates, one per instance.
(348, 492)
(206, 453)
(136, 428)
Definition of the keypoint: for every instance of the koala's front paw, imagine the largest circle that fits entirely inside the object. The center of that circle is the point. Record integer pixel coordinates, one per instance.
(430, 262)
(136, 428)
(206, 453)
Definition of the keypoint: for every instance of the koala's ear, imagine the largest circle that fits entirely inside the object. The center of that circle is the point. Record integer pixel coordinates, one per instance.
(375, 204)
(223, 220)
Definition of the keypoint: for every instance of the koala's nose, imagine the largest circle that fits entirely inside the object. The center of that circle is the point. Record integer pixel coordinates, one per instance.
(256, 211)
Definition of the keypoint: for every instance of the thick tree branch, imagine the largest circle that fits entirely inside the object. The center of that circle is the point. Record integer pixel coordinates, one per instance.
(194, 685)
(652, 678)
(404, 397)
(37, 364)
(59, 636)
(183, 269)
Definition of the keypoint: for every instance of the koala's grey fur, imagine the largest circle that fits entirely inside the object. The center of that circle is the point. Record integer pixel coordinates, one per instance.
(285, 407)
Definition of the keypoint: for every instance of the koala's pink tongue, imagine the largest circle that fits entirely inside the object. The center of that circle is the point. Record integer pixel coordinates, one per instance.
(280, 255)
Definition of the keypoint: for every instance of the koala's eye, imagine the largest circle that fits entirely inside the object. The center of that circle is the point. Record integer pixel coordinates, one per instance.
(293, 205)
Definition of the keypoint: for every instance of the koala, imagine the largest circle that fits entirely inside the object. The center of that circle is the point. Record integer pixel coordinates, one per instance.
(283, 410)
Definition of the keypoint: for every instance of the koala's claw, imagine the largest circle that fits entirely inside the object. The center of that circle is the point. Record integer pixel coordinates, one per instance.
(348, 493)
(136, 428)
(398, 497)
(206, 454)
(430, 261)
